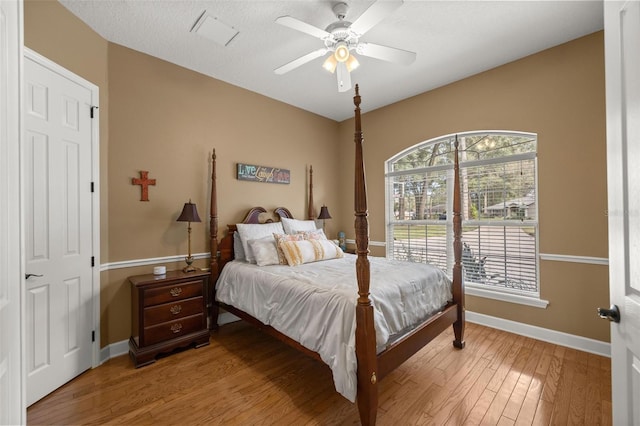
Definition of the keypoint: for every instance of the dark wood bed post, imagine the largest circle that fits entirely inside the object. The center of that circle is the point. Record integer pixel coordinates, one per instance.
(213, 262)
(458, 284)
(310, 212)
(365, 332)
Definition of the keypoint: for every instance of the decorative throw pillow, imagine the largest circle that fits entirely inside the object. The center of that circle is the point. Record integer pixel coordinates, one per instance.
(291, 226)
(264, 251)
(306, 251)
(285, 237)
(317, 234)
(255, 231)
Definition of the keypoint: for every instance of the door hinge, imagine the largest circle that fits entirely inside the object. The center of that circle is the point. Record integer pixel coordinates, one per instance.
(91, 110)
(93, 335)
(93, 261)
(92, 188)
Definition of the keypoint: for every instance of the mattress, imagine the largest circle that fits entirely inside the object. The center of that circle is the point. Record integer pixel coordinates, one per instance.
(314, 304)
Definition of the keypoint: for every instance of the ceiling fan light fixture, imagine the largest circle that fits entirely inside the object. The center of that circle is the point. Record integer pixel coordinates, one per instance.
(330, 64)
(342, 52)
(352, 63)
(343, 37)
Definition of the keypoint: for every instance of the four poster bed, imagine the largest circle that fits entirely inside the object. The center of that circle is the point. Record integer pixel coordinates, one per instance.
(360, 337)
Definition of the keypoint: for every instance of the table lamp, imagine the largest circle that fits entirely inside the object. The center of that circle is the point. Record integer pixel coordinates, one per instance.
(324, 215)
(189, 214)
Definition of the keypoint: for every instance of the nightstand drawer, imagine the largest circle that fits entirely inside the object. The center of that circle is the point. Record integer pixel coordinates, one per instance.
(172, 329)
(173, 310)
(166, 294)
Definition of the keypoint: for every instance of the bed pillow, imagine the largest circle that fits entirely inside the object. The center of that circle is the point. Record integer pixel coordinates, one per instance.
(264, 251)
(282, 260)
(238, 251)
(291, 226)
(317, 234)
(255, 231)
(307, 251)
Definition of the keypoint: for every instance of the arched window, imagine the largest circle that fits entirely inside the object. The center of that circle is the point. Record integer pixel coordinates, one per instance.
(498, 174)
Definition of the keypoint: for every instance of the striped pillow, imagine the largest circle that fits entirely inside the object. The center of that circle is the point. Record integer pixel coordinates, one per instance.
(285, 237)
(307, 251)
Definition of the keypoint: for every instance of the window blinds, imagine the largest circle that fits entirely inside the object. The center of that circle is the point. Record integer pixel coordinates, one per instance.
(499, 209)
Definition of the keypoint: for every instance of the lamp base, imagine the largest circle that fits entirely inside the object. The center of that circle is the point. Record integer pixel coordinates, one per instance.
(189, 267)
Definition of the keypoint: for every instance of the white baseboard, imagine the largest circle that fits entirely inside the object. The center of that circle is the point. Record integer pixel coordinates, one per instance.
(551, 336)
(556, 337)
(113, 350)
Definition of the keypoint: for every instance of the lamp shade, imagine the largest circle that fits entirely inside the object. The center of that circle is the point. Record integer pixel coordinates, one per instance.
(330, 64)
(352, 63)
(324, 213)
(342, 51)
(189, 213)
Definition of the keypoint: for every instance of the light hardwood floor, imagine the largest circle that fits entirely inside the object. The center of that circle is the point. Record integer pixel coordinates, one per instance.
(245, 377)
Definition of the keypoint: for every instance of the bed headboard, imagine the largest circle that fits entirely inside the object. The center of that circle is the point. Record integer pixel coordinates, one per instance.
(283, 212)
(253, 216)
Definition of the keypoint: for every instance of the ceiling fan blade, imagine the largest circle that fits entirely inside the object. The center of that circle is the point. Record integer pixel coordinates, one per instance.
(300, 61)
(374, 14)
(390, 54)
(296, 24)
(344, 77)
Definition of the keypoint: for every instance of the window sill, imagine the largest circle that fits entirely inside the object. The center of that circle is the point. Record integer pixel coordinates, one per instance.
(472, 290)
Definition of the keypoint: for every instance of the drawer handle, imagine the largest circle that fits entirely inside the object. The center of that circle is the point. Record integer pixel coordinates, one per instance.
(176, 328)
(175, 309)
(175, 291)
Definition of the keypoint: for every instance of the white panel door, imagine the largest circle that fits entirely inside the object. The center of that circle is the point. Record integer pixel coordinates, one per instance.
(622, 60)
(12, 406)
(58, 230)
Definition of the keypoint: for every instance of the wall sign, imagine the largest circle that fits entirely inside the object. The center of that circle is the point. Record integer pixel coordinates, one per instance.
(255, 173)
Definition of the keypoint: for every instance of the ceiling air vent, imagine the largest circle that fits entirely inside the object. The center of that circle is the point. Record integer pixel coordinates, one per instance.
(213, 29)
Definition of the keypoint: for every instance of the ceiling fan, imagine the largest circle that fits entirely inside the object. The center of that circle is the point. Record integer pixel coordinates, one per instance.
(342, 37)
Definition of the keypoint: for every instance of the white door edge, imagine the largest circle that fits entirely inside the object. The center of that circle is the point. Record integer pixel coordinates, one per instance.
(13, 408)
(95, 202)
(622, 65)
(21, 210)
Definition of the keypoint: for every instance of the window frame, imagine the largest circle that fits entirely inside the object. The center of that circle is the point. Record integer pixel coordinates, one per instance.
(529, 298)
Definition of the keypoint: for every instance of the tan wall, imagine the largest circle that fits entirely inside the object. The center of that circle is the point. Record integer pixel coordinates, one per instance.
(162, 118)
(167, 120)
(558, 94)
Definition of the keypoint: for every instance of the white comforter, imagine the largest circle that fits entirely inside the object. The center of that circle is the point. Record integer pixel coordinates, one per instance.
(314, 303)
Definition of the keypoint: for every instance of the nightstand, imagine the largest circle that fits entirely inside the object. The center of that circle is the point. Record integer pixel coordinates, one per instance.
(167, 312)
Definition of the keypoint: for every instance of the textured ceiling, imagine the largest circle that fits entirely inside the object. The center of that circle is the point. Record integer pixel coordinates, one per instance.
(453, 40)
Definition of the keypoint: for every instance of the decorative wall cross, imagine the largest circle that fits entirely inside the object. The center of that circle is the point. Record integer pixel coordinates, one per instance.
(144, 183)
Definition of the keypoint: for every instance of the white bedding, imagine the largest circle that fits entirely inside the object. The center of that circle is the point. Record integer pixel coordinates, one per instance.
(314, 303)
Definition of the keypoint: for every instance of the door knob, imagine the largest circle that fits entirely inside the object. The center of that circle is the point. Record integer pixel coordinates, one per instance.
(612, 314)
(27, 276)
